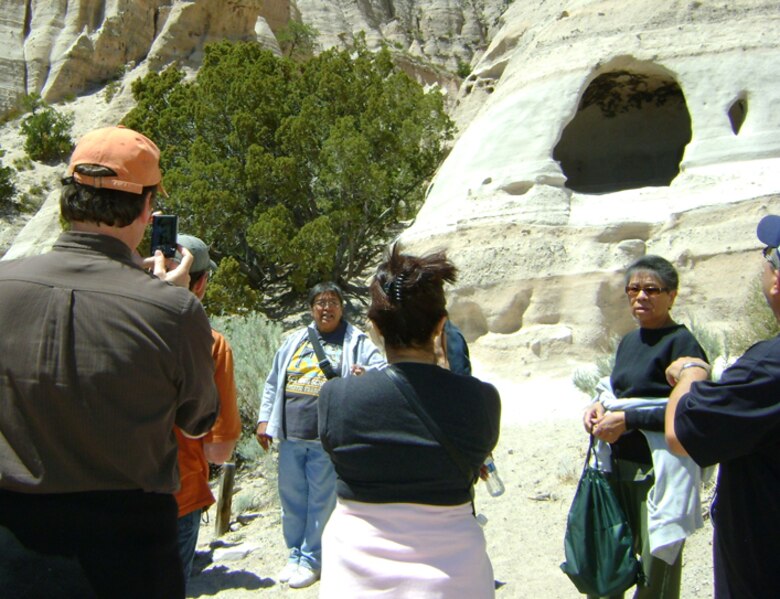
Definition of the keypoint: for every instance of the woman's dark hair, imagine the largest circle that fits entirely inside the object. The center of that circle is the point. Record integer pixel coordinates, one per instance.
(88, 204)
(658, 266)
(325, 287)
(407, 297)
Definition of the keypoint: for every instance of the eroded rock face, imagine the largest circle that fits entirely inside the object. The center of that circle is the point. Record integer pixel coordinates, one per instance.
(61, 49)
(444, 32)
(593, 133)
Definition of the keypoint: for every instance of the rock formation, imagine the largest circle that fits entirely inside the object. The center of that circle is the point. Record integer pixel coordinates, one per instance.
(61, 49)
(595, 132)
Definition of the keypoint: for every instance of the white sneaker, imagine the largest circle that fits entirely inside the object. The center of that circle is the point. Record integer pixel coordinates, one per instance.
(287, 572)
(303, 578)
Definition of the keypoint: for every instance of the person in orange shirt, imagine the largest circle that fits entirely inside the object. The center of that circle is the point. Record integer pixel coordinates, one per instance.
(217, 446)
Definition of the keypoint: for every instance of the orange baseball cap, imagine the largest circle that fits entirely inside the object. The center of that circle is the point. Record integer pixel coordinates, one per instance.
(132, 156)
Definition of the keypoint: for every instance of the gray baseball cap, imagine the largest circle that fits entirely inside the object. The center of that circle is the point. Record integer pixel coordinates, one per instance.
(199, 250)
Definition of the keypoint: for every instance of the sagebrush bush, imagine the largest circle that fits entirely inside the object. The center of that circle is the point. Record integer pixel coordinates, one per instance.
(254, 340)
(712, 342)
(586, 378)
(756, 323)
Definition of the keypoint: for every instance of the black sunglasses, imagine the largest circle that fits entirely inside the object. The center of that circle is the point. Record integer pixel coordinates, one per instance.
(650, 290)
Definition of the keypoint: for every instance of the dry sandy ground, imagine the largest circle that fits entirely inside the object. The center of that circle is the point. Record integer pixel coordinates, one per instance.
(539, 456)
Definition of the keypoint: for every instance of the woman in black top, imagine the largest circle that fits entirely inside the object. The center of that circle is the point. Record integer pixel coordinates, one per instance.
(639, 372)
(404, 524)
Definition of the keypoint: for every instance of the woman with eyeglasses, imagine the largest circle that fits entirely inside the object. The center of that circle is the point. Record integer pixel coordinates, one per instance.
(630, 418)
(407, 442)
(329, 347)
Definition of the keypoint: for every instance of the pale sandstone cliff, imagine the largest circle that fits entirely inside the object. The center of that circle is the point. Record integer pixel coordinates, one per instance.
(565, 172)
(61, 49)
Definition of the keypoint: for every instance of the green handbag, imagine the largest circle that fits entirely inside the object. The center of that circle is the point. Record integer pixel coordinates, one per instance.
(598, 545)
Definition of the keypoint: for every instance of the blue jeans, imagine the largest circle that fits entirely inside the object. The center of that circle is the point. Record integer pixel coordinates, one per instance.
(189, 525)
(307, 489)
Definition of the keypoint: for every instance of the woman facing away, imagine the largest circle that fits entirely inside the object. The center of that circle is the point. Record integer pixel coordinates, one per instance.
(404, 523)
(631, 420)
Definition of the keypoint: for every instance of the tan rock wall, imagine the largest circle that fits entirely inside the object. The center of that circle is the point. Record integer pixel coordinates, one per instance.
(537, 254)
(61, 49)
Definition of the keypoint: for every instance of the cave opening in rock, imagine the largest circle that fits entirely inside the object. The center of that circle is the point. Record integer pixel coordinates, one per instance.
(630, 131)
(737, 113)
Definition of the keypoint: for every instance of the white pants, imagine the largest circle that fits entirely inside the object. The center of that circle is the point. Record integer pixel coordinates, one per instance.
(406, 551)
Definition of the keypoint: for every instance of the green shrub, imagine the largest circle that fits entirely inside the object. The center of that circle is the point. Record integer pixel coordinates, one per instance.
(713, 342)
(7, 184)
(254, 340)
(756, 324)
(46, 131)
(259, 498)
(229, 290)
(297, 40)
(23, 163)
(111, 90)
(464, 69)
(30, 201)
(114, 84)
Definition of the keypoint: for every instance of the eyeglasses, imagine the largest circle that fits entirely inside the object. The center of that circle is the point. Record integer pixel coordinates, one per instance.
(650, 290)
(771, 256)
(330, 303)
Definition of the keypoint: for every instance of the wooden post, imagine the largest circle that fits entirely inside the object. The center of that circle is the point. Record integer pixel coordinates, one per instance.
(225, 498)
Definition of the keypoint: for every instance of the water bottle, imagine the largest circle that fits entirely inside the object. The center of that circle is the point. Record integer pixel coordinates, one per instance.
(495, 485)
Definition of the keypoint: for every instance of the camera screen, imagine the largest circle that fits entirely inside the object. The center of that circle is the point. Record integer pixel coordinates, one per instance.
(164, 229)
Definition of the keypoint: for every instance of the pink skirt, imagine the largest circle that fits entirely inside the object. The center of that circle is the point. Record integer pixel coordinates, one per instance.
(404, 550)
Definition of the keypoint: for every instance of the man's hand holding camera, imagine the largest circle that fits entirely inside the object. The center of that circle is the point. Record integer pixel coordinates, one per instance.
(167, 269)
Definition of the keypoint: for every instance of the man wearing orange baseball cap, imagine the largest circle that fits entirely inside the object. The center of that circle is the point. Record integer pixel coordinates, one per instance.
(99, 359)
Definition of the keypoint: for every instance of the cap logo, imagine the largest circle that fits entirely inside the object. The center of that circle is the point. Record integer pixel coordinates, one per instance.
(108, 183)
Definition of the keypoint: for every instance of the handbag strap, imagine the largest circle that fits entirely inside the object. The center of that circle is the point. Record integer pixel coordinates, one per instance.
(324, 363)
(591, 452)
(413, 400)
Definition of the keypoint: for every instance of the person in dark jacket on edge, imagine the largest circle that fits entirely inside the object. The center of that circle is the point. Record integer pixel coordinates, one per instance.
(736, 423)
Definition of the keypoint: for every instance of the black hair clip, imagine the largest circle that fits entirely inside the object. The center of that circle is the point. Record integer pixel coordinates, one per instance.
(397, 287)
(393, 289)
(67, 180)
